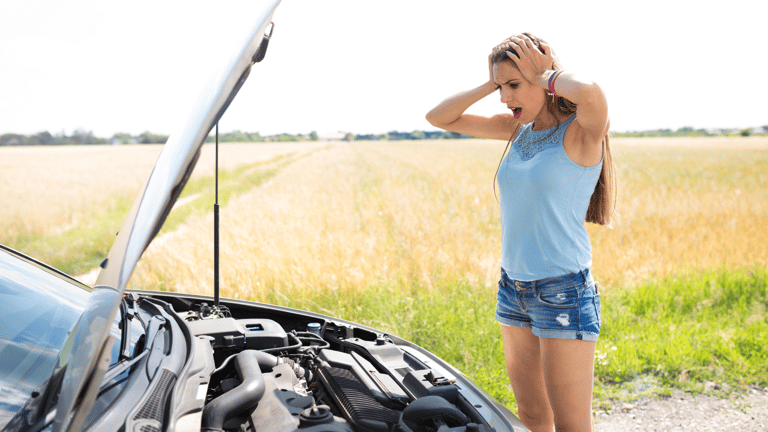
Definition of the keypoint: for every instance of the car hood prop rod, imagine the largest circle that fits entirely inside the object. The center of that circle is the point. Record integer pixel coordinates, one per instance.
(216, 230)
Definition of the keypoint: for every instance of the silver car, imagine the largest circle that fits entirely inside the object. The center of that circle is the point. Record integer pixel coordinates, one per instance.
(103, 358)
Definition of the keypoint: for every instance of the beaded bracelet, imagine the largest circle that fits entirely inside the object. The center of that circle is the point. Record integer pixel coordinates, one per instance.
(552, 79)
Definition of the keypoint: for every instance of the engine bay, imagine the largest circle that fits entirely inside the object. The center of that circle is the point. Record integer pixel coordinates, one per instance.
(296, 373)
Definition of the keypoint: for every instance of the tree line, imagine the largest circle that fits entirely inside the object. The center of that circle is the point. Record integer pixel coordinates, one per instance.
(81, 136)
(238, 136)
(688, 131)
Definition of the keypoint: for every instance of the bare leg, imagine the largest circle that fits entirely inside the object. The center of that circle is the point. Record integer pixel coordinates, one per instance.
(569, 373)
(524, 366)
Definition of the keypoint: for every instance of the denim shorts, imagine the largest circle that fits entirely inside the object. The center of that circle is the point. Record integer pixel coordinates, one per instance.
(562, 307)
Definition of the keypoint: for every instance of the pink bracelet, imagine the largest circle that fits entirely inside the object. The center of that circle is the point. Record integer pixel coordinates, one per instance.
(552, 79)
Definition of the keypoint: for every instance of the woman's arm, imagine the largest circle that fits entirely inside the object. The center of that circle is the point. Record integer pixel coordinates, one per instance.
(449, 115)
(591, 105)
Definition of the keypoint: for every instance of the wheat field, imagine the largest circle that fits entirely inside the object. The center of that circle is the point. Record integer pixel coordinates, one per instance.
(404, 237)
(419, 213)
(49, 190)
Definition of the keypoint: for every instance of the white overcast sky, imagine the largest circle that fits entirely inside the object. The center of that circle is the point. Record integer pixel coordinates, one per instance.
(367, 66)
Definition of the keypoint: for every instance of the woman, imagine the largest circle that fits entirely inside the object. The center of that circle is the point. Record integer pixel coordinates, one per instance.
(557, 174)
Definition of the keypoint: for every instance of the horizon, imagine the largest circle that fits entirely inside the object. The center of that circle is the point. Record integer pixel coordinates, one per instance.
(685, 131)
(760, 130)
(366, 68)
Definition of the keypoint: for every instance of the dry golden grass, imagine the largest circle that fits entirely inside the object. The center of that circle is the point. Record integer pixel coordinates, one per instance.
(50, 189)
(686, 203)
(346, 216)
(411, 214)
(47, 190)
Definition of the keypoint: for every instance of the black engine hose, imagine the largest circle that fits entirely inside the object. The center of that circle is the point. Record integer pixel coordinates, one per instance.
(297, 344)
(248, 365)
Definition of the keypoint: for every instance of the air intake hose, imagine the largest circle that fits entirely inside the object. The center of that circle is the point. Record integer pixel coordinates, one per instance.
(247, 395)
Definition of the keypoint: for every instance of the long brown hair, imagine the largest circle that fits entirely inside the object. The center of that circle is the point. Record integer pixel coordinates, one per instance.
(603, 200)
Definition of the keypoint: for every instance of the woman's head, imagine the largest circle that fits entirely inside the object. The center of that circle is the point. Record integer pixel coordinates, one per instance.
(501, 62)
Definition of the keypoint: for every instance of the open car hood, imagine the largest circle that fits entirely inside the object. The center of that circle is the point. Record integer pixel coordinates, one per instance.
(91, 343)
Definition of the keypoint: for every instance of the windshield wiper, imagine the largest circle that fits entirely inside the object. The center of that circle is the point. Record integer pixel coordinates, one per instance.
(128, 314)
(155, 325)
(43, 396)
(40, 406)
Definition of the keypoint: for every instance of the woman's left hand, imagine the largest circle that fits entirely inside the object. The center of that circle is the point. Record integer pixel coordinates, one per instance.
(532, 63)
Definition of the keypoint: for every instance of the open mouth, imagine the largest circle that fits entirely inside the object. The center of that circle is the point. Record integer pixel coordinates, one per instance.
(517, 112)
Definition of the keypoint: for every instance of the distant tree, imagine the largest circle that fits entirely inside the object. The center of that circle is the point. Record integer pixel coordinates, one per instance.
(237, 136)
(82, 136)
(42, 138)
(349, 136)
(366, 137)
(12, 140)
(745, 132)
(703, 132)
(313, 135)
(150, 138)
(122, 137)
(418, 135)
(434, 134)
(287, 138)
(395, 136)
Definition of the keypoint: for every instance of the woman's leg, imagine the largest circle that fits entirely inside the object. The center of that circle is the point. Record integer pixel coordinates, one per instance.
(568, 366)
(524, 366)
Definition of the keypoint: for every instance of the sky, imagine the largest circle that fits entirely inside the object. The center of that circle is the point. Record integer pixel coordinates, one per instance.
(366, 66)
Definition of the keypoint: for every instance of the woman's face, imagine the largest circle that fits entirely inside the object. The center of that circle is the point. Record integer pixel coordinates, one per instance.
(523, 98)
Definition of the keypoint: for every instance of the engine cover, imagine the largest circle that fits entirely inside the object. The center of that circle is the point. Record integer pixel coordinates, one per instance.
(232, 334)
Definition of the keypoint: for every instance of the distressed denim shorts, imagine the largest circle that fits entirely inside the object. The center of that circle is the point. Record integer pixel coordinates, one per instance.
(562, 307)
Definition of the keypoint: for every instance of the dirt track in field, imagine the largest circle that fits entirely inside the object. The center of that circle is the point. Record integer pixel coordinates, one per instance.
(684, 412)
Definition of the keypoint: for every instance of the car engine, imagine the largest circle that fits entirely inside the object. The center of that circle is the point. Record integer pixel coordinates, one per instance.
(320, 376)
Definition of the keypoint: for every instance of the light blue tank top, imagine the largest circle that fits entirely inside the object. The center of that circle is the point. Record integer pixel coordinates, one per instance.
(544, 198)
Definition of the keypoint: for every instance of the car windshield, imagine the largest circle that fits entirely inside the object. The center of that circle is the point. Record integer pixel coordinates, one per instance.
(38, 309)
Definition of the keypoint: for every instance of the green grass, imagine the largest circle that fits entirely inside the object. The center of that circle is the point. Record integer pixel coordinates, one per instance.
(677, 333)
(683, 331)
(80, 249)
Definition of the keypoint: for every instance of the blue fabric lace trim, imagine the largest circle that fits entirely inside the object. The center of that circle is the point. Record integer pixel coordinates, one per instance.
(531, 142)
